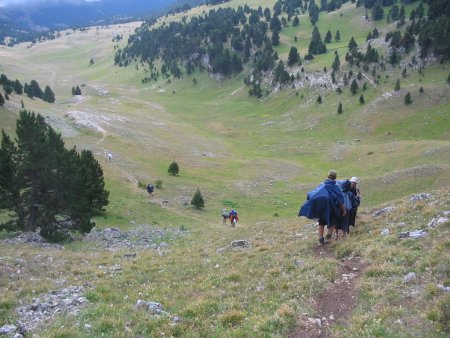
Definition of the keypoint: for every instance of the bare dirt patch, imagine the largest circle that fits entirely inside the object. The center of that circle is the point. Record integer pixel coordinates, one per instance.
(336, 303)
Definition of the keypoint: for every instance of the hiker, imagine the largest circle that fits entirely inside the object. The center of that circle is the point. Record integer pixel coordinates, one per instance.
(150, 189)
(343, 223)
(109, 157)
(356, 200)
(225, 215)
(233, 217)
(325, 203)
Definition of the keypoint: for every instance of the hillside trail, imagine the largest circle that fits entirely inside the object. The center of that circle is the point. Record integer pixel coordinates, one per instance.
(336, 303)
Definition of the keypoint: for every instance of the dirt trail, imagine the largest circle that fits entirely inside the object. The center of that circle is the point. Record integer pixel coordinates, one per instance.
(336, 303)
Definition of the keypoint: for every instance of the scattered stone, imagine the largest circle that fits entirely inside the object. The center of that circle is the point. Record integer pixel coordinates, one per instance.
(65, 301)
(315, 321)
(299, 263)
(130, 255)
(32, 238)
(18, 335)
(386, 210)
(154, 308)
(420, 197)
(413, 234)
(442, 220)
(140, 237)
(240, 243)
(8, 329)
(444, 288)
(385, 232)
(409, 277)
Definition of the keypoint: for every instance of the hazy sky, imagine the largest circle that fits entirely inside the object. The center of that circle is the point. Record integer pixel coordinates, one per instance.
(25, 2)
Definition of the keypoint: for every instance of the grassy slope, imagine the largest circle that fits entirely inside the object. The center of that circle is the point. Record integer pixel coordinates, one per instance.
(260, 157)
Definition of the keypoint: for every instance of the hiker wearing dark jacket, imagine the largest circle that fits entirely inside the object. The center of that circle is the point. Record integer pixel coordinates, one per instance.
(325, 203)
(356, 201)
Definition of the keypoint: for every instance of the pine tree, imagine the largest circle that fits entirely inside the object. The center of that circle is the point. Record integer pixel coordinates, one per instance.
(319, 99)
(421, 90)
(293, 57)
(361, 99)
(173, 169)
(40, 179)
(377, 11)
(48, 96)
(397, 85)
(197, 201)
(354, 87)
(336, 63)
(327, 38)
(337, 37)
(339, 110)
(408, 99)
(2, 100)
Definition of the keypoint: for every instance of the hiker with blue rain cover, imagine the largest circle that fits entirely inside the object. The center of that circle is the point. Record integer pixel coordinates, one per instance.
(325, 203)
(150, 189)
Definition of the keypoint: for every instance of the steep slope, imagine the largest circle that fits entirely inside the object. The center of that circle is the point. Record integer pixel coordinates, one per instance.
(259, 156)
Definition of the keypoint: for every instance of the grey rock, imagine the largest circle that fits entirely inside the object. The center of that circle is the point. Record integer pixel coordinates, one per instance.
(299, 263)
(409, 277)
(18, 335)
(420, 197)
(8, 329)
(444, 288)
(240, 243)
(413, 234)
(383, 211)
(385, 232)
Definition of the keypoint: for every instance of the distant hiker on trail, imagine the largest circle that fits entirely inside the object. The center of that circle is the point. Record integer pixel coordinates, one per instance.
(225, 215)
(325, 203)
(109, 157)
(233, 217)
(356, 201)
(150, 189)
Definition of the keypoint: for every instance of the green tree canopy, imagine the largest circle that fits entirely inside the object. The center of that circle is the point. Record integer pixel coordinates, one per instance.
(41, 182)
(198, 201)
(173, 168)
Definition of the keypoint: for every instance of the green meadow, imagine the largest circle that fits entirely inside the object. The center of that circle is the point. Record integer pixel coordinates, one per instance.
(259, 156)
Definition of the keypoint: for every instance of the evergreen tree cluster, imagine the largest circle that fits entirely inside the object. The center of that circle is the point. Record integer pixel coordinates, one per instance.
(32, 90)
(223, 40)
(76, 90)
(42, 183)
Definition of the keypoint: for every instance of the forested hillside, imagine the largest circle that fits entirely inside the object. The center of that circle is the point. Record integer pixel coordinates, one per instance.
(224, 40)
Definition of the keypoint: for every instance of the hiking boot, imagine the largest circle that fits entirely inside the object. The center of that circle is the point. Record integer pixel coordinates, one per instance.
(321, 241)
(328, 236)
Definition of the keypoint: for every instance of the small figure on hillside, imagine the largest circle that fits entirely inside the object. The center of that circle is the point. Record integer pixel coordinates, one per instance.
(325, 203)
(233, 217)
(109, 157)
(150, 189)
(356, 201)
(225, 215)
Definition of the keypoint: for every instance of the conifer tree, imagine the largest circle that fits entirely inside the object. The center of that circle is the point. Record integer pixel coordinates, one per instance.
(354, 87)
(197, 201)
(361, 99)
(40, 181)
(336, 63)
(337, 37)
(48, 96)
(397, 85)
(339, 110)
(408, 99)
(2, 100)
(293, 57)
(173, 168)
(327, 38)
